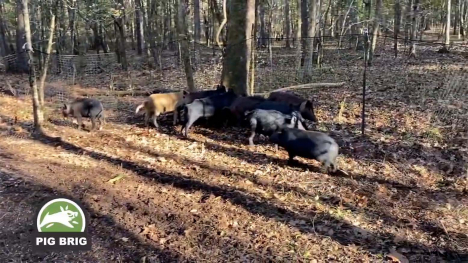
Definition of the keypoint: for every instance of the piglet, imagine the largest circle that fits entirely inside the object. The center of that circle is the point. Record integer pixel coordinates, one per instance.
(85, 107)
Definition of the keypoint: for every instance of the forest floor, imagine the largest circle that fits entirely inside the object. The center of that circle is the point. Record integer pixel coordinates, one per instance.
(402, 195)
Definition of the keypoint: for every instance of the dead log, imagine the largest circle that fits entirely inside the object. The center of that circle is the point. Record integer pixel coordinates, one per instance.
(306, 86)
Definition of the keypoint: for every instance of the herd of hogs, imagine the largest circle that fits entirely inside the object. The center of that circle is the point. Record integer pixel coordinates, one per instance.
(282, 117)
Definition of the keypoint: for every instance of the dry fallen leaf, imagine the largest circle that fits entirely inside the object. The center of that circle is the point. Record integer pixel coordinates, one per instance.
(395, 256)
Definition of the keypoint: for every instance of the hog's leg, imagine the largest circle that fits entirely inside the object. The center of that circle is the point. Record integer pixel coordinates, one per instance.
(155, 122)
(252, 135)
(79, 119)
(147, 119)
(100, 120)
(175, 114)
(93, 122)
(291, 160)
(253, 128)
(188, 125)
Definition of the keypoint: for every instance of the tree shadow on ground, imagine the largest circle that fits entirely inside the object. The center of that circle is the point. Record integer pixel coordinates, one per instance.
(105, 232)
(343, 230)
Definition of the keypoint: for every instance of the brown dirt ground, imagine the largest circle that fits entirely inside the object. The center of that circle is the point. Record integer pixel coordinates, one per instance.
(213, 198)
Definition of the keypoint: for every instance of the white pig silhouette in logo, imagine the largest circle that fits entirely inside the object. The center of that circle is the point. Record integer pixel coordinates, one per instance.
(63, 217)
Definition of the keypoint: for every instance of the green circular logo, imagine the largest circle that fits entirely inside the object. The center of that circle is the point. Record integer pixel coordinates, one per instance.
(61, 215)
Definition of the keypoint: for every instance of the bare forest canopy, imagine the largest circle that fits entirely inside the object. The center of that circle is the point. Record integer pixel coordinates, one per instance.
(150, 26)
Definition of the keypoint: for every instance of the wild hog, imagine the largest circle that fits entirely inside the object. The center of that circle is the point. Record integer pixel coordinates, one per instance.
(157, 104)
(267, 122)
(282, 107)
(308, 144)
(206, 107)
(190, 97)
(305, 107)
(244, 104)
(85, 107)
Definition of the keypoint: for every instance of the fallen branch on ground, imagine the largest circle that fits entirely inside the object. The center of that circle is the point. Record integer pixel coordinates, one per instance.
(307, 86)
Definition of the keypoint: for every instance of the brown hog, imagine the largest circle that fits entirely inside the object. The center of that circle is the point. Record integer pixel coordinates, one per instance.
(157, 104)
(306, 107)
(244, 104)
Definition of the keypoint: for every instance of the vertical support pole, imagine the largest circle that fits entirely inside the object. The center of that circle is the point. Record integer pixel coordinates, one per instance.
(366, 52)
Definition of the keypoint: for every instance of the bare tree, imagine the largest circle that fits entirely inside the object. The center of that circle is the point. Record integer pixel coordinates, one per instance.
(4, 48)
(447, 27)
(236, 63)
(46, 62)
(375, 29)
(196, 18)
(38, 113)
(184, 46)
(21, 57)
(414, 28)
(311, 41)
(396, 28)
(287, 23)
(140, 36)
(298, 36)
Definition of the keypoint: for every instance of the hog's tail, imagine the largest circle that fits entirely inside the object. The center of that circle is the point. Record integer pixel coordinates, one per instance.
(139, 108)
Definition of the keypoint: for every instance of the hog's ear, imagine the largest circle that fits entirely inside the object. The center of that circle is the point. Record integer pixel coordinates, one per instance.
(309, 104)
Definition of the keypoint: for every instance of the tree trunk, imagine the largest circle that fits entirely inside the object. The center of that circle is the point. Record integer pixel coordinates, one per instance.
(72, 12)
(184, 45)
(298, 36)
(375, 29)
(38, 114)
(4, 48)
(287, 23)
(414, 28)
(119, 26)
(236, 63)
(46, 61)
(313, 22)
(462, 18)
(263, 34)
(396, 28)
(196, 18)
(305, 29)
(21, 57)
(65, 44)
(447, 31)
(140, 35)
(408, 21)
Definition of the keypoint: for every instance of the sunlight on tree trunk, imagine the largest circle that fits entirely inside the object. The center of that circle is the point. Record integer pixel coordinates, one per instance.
(236, 63)
(447, 30)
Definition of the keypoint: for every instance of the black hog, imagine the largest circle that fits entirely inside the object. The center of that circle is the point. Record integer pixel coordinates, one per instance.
(85, 107)
(308, 144)
(267, 122)
(190, 97)
(242, 105)
(206, 108)
(306, 107)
